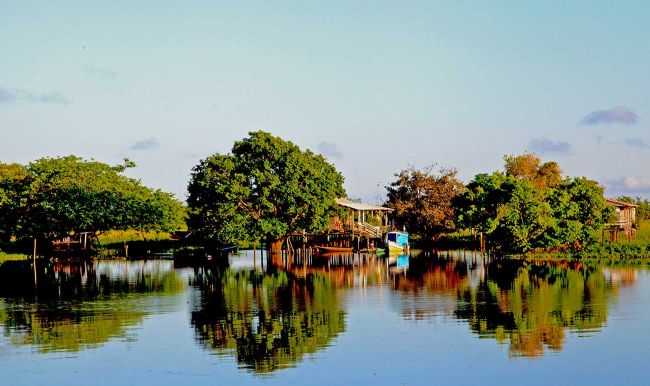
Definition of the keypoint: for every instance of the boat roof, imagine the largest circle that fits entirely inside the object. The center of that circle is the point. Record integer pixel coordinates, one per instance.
(360, 205)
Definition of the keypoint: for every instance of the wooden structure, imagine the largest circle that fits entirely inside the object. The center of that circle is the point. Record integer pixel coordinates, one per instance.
(359, 217)
(361, 228)
(625, 222)
(78, 242)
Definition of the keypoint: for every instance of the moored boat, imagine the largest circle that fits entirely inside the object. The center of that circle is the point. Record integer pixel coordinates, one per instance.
(326, 249)
(397, 242)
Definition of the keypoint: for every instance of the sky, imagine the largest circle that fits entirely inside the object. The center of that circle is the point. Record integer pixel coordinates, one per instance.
(374, 86)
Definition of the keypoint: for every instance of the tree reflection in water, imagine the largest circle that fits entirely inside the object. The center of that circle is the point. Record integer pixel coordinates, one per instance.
(80, 306)
(268, 320)
(528, 305)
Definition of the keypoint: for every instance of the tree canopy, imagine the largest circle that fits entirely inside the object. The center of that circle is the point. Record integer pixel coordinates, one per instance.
(532, 206)
(529, 167)
(52, 197)
(423, 200)
(265, 189)
(12, 177)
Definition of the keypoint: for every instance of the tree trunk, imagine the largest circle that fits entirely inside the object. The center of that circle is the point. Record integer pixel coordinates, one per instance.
(276, 245)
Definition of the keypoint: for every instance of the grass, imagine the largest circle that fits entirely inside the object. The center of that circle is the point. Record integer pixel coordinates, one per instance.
(4, 257)
(121, 237)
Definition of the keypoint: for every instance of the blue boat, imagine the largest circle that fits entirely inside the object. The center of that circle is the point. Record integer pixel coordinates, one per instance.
(397, 242)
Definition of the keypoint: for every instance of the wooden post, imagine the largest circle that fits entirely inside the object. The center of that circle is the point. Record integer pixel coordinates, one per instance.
(34, 264)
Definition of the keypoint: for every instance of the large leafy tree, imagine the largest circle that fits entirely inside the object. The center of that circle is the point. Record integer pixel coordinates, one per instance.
(511, 211)
(12, 189)
(579, 210)
(532, 206)
(57, 196)
(423, 200)
(265, 189)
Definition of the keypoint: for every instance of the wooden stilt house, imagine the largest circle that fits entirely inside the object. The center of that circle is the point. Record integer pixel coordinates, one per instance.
(366, 220)
(624, 220)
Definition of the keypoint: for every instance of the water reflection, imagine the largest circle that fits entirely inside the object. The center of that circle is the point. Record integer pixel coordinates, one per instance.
(267, 320)
(528, 305)
(80, 306)
(273, 315)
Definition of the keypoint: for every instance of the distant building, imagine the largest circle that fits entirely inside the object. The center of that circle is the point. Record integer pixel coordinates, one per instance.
(625, 221)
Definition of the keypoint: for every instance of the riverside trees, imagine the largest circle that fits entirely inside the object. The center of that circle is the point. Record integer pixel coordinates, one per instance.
(54, 197)
(423, 201)
(532, 206)
(265, 189)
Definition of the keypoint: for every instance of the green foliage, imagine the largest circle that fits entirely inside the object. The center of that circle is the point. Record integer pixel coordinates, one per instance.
(12, 257)
(579, 210)
(120, 237)
(12, 190)
(523, 218)
(79, 307)
(269, 320)
(531, 307)
(264, 190)
(520, 214)
(53, 197)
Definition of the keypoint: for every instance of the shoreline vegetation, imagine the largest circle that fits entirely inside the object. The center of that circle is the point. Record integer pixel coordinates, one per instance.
(267, 189)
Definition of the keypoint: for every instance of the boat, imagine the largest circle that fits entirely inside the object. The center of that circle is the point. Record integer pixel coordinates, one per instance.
(397, 243)
(398, 263)
(325, 249)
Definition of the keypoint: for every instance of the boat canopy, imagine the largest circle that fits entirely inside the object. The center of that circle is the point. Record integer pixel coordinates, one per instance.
(399, 238)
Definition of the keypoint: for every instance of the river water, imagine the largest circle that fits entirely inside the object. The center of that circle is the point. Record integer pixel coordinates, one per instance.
(451, 318)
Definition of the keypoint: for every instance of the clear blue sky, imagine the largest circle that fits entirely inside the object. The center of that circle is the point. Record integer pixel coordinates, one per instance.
(377, 86)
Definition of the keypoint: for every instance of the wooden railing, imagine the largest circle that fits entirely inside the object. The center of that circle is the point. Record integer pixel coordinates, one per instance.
(619, 224)
(367, 230)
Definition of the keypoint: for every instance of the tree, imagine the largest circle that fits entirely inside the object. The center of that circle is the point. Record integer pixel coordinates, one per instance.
(478, 207)
(528, 167)
(265, 189)
(524, 218)
(580, 210)
(12, 178)
(55, 197)
(511, 211)
(422, 200)
(533, 206)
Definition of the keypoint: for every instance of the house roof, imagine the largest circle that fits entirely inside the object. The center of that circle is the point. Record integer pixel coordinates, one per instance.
(620, 204)
(360, 206)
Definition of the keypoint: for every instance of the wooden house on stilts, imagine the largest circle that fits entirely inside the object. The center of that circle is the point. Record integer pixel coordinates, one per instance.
(624, 220)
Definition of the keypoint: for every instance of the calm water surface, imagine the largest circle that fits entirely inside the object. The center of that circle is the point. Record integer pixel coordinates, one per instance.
(451, 318)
